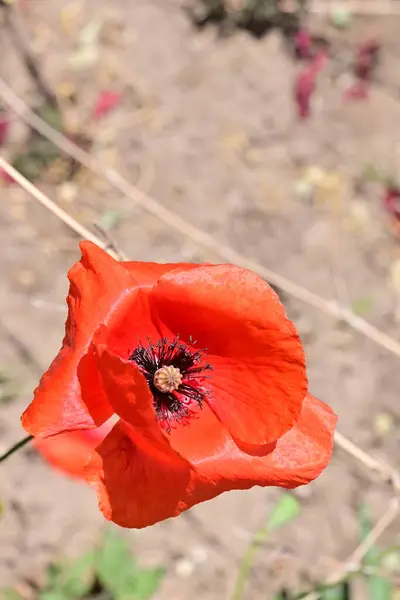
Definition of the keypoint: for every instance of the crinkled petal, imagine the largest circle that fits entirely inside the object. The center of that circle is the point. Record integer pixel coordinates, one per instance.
(139, 484)
(259, 379)
(297, 458)
(146, 274)
(138, 476)
(134, 323)
(103, 292)
(98, 285)
(69, 452)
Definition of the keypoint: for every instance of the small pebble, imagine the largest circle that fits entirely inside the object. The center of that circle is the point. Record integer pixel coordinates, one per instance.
(184, 568)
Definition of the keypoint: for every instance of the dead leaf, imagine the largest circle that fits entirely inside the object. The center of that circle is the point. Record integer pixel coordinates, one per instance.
(70, 16)
(67, 90)
(382, 424)
(83, 58)
(88, 46)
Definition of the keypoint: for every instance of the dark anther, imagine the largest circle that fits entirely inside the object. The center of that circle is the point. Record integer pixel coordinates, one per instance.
(175, 375)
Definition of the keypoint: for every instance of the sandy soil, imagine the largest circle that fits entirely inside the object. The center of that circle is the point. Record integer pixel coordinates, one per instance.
(208, 127)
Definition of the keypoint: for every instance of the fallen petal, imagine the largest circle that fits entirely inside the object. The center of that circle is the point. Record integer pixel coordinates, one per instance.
(106, 102)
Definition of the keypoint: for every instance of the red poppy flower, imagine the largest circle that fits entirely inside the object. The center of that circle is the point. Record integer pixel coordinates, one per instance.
(364, 66)
(366, 59)
(303, 44)
(106, 101)
(391, 200)
(205, 373)
(306, 82)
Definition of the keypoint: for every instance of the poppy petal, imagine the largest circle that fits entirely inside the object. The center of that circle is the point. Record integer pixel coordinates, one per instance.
(133, 323)
(97, 284)
(258, 381)
(128, 475)
(146, 274)
(296, 459)
(69, 452)
(138, 477)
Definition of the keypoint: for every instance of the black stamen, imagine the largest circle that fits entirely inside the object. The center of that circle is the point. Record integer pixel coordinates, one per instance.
(176, 406)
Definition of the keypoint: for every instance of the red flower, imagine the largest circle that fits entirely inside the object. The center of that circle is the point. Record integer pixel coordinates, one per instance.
(303, 44)
(364, 65)
(193, 423)
(5, 177)
(107, 101)
(391, 201)
(306, 83)
(366, 59)
(357, 91)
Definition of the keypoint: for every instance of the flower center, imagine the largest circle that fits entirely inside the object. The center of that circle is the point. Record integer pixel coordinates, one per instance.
(167, 379)
(176, 377)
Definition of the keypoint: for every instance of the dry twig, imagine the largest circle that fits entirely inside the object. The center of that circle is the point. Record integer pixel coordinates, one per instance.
(354, 561)
(54, 208)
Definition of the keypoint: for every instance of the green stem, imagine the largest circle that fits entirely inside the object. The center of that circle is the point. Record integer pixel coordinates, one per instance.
(247, 562)
(16, 447)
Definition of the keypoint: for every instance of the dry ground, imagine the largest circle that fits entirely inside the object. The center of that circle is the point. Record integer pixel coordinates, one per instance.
(208, 127)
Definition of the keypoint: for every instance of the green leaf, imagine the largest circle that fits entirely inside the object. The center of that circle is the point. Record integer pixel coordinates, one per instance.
(379, 588)
(365, 526)
(341, 591)
(110, 218)
(52, 595)
(53, 573)
(286, 509)
(39, 154)
(44, 151)
(9, 594)
(282, 595)
(76, 579)
(69, 581)
(27, 165)
(372, 173)
(142, 584)
(9, 387)
(363, 306)
(120, 574)
(51, 115)
(114, 562)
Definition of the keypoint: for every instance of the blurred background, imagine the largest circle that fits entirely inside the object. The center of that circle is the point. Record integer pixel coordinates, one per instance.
(275, 127)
